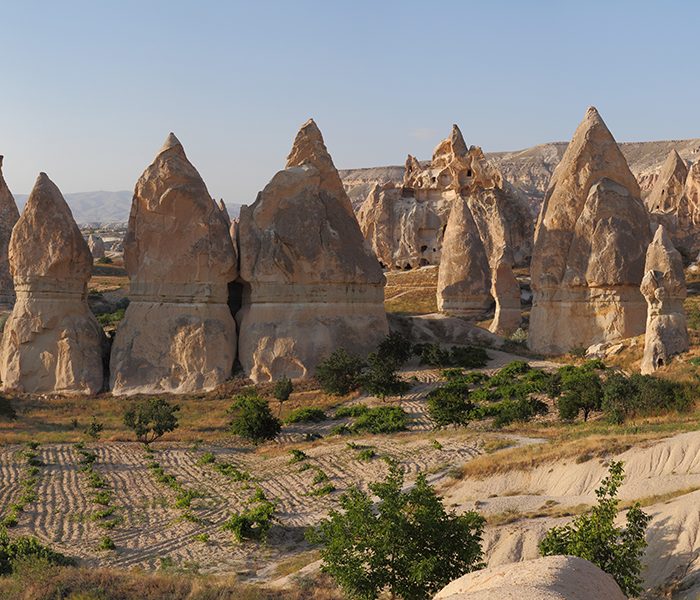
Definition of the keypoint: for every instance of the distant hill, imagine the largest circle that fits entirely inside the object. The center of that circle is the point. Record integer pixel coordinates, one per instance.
(102, 207)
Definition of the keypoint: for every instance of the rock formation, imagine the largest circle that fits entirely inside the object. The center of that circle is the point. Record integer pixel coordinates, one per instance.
(178, 334)
(590, 243)
(464, 276)
(548, 578)
(97, 246)
(505, 290)
(8, 217)
(310, 284)
(51, 342)
(674, 202)
(405, 222)
(664, 288)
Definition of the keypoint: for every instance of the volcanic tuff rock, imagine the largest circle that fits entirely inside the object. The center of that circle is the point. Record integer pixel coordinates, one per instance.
(178, 334)
(405, 223)
(674, 202)
(51, 342)
(8, 217)
(464, 276)
(664, 288)
(505, 290)
(548, 578)
(310, 284)
(96, 245)
(590, 243)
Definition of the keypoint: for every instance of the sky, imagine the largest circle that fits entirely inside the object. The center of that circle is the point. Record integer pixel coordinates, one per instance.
(90, 89)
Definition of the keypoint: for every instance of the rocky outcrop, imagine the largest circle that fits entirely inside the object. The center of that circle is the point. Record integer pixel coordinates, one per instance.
(51, 342)
(548, 578)
(674, 202)
(310, 284)
(97, 246)
(590, 243)
(8, 217)
(405, 222)
(664, 288)
(178, 334)
(505, 290)
(464, 276)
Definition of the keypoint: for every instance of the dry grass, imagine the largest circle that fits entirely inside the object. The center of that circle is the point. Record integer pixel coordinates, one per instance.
(202, 416)
(549, 509)
(411, 292)
(39, 581)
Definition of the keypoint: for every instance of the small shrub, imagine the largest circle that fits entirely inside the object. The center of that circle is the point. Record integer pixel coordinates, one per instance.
(339, 373)
(324, 490)
(206, 459)
(449, 407)
(103, 497)
(232, 472)
(106, 543)
(382, 419)
(253, 419)
(151, 419)
(308, 414)
(319, 477)
(282, 390)
(297, 456)
(366, 455)
(254, 522)
(14, 549)
(94, 429)
(354, 410)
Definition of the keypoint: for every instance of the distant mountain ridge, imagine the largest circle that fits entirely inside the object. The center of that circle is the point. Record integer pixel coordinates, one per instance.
(102, 207)
(529, 170)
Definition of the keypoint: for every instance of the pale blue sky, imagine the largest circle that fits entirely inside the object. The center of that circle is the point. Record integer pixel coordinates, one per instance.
(90, 89)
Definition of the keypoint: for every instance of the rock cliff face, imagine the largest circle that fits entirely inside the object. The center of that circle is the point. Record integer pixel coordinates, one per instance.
(674, 202)
(590, 243)
(406, 223)
(8, 217)
(310, 284)
(548, 578)
(178, 334)
(51, 342)
(664, 288)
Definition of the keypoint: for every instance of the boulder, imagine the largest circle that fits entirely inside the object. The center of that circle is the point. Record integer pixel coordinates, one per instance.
(464, 276)
(97, 246)
(590, 242)
(8, 217)
(51, 342)
(178, 334)
(310, 283)
(548, 578)
(405, 224)
(664, 288)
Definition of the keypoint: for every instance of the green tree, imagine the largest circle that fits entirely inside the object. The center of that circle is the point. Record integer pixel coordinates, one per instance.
(381, 379)
(581, 391)
(94, 430)
(151, 419)
(407, 543)
(283, 389)
(449, 407)
(253, 420)
(594, 536)
(339, 374)
(395, 348)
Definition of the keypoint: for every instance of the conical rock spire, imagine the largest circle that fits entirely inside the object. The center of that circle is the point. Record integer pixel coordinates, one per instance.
(8, 217)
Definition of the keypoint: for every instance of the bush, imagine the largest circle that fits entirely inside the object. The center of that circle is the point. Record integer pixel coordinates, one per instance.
(94, 430)
(339, 373)
(297, 456)
(381, 379)
(383, 419)
(449, 407)
(26, 548)
(308, 414)
(254, 522)
(112, 318)
(594, 536)
(106, 543)
(151, 419)
(253, 420)
(468, 357)
(354, 410)
(508, 411)
(366, 454)
(395, 349)
(407, 543)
